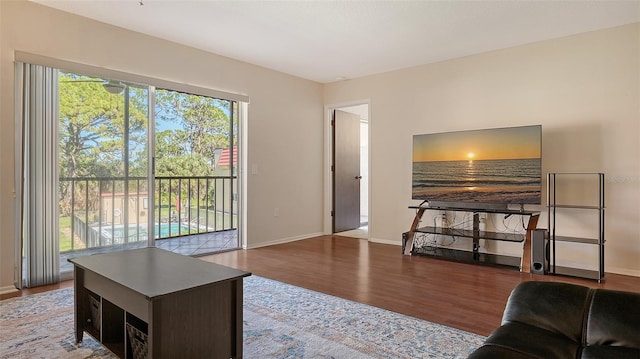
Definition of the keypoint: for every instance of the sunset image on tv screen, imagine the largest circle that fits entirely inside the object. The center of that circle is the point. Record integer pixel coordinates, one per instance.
(501, 165)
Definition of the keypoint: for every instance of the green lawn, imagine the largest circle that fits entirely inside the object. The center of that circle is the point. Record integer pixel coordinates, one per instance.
(65, 234)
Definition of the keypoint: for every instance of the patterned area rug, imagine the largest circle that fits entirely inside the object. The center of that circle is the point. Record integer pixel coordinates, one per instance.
(280, 321)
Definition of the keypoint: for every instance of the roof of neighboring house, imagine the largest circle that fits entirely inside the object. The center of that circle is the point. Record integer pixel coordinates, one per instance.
(224, 157)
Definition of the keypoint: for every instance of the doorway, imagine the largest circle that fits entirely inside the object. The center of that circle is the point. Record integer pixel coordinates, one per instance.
(349, 159)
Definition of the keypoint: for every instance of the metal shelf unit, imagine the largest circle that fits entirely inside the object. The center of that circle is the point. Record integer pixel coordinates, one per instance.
(555, 208)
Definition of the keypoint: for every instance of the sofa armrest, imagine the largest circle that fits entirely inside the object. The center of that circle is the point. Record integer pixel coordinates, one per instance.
(555, 307)
(614, 319)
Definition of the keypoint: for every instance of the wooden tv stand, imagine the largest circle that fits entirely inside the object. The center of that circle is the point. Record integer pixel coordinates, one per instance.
(474, 255)
(183, 307)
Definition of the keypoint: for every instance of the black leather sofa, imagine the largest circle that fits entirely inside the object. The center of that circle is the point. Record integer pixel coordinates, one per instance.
(550, 320)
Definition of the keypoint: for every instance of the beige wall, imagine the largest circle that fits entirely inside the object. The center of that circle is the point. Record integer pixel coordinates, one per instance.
(583, 89)
(285, 114)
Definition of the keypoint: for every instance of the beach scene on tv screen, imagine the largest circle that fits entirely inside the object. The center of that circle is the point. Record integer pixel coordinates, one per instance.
(500, 165)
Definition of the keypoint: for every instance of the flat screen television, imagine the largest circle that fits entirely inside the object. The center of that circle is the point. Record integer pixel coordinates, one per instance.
(478, 168)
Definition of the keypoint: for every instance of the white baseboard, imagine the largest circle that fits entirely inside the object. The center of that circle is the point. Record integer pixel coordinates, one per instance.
(8, 289)
(622, 271)
(385, 241)
(284, 240)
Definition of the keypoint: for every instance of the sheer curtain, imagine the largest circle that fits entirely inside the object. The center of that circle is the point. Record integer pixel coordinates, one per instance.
(37, 174)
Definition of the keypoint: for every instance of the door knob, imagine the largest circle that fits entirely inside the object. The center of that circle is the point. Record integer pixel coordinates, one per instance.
(358, 177)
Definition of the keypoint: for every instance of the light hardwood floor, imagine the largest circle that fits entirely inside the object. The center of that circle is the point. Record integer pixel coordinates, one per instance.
(464, 296)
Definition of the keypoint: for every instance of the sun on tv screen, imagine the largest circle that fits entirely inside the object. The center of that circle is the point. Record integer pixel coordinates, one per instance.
(489, 166)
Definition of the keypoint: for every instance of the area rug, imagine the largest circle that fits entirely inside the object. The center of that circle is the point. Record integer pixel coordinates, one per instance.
(280, 321)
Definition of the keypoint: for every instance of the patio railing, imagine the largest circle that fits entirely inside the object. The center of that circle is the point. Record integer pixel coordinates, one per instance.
(97, 212)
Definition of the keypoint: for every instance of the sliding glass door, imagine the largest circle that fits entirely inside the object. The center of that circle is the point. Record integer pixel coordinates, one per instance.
(103, 164)
(107, 165)
(112, 199)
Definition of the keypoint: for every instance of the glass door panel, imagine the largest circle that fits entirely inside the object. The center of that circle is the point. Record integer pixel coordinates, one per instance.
(103, 165)
(196, 172)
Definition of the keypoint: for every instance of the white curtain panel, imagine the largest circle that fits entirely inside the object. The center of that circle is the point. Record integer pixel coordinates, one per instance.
(37, 174)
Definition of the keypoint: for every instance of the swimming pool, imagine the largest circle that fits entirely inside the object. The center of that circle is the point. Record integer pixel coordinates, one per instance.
(139, 232)
(164, 230)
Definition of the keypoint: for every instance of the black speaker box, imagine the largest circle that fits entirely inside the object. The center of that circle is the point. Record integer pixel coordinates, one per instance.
(540, 251)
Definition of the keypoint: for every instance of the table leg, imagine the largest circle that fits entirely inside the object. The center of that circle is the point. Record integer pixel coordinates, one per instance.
(79, 303)
(416, 221)
(239, 327)
(525, 263)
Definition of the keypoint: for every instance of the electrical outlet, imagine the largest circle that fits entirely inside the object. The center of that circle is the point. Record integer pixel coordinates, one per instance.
(276, 212)
(444, 222)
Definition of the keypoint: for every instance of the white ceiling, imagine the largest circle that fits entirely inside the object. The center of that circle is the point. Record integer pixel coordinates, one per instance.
(326, 41)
